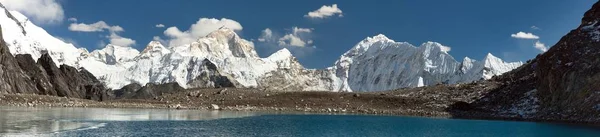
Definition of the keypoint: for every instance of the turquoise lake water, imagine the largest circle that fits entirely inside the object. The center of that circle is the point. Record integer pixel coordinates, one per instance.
(161, 122)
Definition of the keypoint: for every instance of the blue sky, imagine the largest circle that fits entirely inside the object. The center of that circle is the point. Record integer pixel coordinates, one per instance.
(470, 27)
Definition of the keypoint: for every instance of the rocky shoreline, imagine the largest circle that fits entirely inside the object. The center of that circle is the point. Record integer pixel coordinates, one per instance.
(385, 103)
(435, 101)
(424, 102)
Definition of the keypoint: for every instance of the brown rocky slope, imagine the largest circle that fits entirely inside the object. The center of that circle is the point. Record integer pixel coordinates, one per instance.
(562, 84)
(21, 74)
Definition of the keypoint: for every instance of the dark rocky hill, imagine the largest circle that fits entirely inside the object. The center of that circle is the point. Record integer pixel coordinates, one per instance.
(21, 74)
(562, 84)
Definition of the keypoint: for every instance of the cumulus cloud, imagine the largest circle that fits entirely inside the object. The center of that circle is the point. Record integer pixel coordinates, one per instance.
(72, 19)
(100, 26)
(267, 34)
(201, 28)
(94, 27)
(296, 40)
(535, 28)
(159, 25)
(540, 46)
(41, 11)
(325, 11)
(156, 38)
(291, 40)
(524, 35)
(159, 39)
(115, 39)
(298, 37)
(297, 30)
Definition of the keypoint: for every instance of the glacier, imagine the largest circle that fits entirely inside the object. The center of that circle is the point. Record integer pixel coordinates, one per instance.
(374, 64)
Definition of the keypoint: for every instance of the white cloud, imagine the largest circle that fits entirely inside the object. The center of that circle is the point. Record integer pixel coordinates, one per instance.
(297, 30)
(100, 26)
(535, 28)
(41, 11)
(297, 37)
(95, 27)
(325, 11)
(201, 28)
(156, 38)
(72, 19)
(115, 39)
(267, 34)
(297, 40)
(445, 48)
(540, 46)
(159, 39)
(291, 40)
(159, 25)
(524, 35)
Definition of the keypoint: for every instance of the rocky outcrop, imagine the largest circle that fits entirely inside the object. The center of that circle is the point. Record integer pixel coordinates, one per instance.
(127, 91)
(561, 84)
(36, 74)
(12, 78)
(21, 74)
(211, 77)
(149, 91)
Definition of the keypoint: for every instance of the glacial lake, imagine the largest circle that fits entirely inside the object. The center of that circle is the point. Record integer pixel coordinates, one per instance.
(22, 121)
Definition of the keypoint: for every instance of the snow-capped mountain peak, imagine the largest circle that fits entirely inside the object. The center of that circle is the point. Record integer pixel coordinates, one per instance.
(154, 49)
(281, 54)
(283, 58)
(496, 66)
(24, 37)
(467, 64)
(113, 54)
(429, 45)
(378, 37)
(374, 64)
(366, 43)
(224, 42)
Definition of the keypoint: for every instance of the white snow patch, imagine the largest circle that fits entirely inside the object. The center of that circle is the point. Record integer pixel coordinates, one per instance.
(593, 30)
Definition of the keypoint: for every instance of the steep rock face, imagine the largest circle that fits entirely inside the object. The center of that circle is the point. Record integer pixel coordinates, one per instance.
(569, 72)
(12, 78)
(21, 74)
(560, 84)
(70, 82)
(211, 77)
(37, 74)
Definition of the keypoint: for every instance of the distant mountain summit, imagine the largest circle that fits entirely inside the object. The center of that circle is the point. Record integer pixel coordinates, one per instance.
(379, 63)
(374, 64)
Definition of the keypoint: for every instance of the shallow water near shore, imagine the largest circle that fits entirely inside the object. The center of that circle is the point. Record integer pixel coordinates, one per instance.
(168, 122)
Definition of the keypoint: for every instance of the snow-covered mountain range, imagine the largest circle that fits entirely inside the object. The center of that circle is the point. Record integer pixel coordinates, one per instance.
(374, 64)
